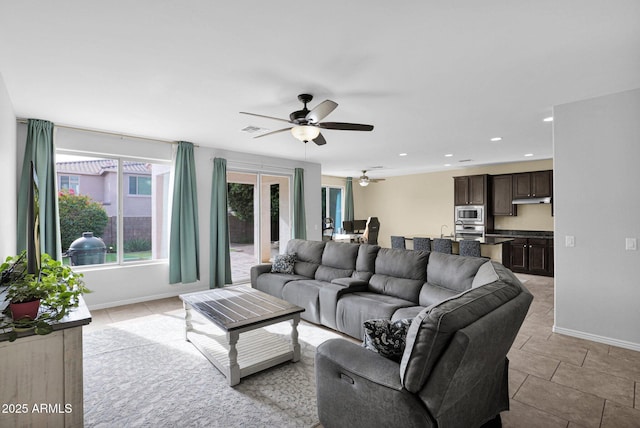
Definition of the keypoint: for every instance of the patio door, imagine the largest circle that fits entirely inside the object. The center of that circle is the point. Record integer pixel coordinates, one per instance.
(259, 218)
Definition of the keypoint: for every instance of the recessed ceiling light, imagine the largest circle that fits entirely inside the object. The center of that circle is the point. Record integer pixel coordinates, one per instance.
(528, 155)
(402, 154)
(548, 119)
(496, 139)
(447, 164)
(448, 155)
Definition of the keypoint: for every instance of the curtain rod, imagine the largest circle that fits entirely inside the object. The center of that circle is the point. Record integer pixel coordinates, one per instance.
(259, 165)
(116, 134)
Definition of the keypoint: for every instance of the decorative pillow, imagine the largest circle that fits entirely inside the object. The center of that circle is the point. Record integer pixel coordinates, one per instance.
(386, 337)
(283, 263)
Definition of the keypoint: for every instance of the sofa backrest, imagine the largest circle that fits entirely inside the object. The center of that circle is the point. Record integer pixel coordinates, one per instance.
(308, 256)
(366, 261)
(338, 261)
(453, 272)
(431, 331)
(399, 273)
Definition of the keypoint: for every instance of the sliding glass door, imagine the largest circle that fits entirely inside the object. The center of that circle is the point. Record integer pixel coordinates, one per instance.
(259, 219)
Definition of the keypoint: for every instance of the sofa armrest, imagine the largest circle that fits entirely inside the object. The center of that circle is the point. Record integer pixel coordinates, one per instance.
(329, 294)
(350, 283)
(258, 270)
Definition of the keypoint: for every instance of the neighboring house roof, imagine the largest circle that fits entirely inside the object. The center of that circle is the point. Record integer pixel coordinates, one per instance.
(100, 166)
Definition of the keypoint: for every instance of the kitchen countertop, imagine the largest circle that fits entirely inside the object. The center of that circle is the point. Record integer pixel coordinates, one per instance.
(541, 234)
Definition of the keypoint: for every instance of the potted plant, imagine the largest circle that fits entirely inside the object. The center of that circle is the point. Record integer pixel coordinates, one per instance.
(55, 289)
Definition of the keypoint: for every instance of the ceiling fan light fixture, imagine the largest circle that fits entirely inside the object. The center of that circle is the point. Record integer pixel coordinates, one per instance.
(364, 181)
(305, 133)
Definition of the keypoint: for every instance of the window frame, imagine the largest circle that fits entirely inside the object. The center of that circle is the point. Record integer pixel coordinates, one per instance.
(121, 194)
(69, 176)
(138, 177)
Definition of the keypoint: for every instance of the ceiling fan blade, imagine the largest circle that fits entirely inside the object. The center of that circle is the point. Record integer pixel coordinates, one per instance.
(273, 132)
(319, 140)
(321, 111)
(345, 126)
(266, 117)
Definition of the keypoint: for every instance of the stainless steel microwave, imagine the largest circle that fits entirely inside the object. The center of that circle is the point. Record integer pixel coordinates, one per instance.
(470, 214)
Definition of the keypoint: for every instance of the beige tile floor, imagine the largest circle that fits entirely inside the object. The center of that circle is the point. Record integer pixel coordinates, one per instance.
(554, 380)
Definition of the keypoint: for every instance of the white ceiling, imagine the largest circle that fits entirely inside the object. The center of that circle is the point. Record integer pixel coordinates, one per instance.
(434, 77)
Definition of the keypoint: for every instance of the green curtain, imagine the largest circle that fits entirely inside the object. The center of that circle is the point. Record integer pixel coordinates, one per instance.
(40, 150)
(348, 200)
(220, 260)
(299, 220)
(184, 245)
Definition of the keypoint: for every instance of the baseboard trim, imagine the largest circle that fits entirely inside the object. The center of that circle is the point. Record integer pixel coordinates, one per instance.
(595, 338)
(134, 300)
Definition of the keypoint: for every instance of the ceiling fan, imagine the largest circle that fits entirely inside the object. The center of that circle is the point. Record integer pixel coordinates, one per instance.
(364, 180)
(307, 123)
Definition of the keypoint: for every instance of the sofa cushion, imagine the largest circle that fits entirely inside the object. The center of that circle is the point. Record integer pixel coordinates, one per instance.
(387, 338)
(305, 293)
(272, 283)
(407, 289)
(451, 271)
(353, 309)
(283, 263)
(431, 294)
(402, 263)
(308, 256)
(340, 255)
(434, 326)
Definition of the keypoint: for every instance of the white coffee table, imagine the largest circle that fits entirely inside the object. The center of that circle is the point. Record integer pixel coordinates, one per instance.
(235, 310)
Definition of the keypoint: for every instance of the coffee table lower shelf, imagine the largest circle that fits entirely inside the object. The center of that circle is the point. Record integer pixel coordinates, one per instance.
(255, 350)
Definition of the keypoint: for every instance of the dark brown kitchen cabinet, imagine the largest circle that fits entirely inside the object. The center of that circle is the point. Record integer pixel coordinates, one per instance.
(502, 186)
(536, 184)
(470, 190)
(530, 255)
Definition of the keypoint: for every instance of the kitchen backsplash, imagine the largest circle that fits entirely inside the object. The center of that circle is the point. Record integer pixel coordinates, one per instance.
(530, 217)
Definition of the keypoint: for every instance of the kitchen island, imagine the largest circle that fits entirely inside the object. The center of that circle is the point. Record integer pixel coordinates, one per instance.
(530, 251)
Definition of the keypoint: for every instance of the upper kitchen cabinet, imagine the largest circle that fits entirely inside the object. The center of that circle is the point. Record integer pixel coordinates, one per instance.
(536, 184)
(502, 186)
(470, 190)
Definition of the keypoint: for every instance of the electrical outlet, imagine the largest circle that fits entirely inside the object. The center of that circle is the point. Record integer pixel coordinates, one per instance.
(569, 241)
(631, 244)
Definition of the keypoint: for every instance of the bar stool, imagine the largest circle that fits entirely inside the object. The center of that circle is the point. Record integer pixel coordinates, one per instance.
(442, 245)
(398, 242)
(422, 244)
(470, 248)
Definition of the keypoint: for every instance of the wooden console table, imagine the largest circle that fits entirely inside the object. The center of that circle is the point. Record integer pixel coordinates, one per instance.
(42, 375)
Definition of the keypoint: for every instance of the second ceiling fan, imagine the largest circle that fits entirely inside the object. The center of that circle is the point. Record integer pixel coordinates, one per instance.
(307, 123)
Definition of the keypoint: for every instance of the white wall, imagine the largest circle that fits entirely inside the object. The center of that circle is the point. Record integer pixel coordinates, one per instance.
(115, 285)
(597, 194)
(8, 174)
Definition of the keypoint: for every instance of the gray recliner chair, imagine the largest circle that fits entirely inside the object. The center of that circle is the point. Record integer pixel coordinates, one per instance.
(453, 372)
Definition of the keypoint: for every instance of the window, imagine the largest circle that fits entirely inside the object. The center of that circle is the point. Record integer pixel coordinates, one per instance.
(139, 185)
(70, 182)
(132, 227)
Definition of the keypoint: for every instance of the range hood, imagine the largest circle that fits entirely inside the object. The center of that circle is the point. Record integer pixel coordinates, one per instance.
(530, 201)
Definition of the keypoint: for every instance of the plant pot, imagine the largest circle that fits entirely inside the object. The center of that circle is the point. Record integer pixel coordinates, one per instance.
(25, 310)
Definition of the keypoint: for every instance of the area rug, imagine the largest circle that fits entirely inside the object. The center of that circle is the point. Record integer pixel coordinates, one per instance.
(142, 373)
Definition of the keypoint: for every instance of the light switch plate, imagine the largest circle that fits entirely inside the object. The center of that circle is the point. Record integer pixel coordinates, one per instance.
(569, 241)
(631, 244)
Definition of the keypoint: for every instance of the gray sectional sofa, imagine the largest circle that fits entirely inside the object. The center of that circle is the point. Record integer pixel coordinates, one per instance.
(341, 285)
(464, 314)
